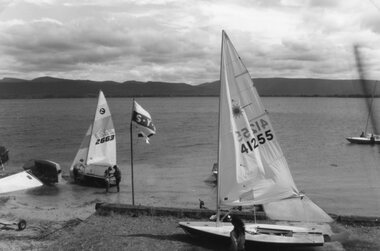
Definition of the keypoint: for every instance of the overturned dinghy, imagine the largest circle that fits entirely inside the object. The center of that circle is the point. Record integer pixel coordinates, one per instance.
(46, 171)
(19, 181)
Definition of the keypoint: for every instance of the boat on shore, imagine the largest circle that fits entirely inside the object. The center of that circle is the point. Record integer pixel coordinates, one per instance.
(98, 149)
(47, 171)
(37, 172)
(252, 169)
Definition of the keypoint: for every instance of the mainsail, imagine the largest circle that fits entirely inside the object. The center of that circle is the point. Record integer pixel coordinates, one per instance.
(102, 145)
(252, 167)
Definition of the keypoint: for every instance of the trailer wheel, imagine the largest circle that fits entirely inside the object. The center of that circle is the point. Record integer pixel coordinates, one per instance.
(21, 225)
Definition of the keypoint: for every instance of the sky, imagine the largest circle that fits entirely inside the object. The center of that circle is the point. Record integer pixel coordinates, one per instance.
(179, 41)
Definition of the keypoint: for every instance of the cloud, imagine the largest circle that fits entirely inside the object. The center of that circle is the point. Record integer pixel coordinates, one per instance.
(165, 41)
(132, 39)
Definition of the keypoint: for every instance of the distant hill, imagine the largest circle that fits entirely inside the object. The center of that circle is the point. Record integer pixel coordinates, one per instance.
(48, 87)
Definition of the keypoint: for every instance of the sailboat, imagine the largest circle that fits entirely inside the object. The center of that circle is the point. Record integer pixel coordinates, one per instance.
(214, 175)
(98, 149)
(365, 137)
(252, 169)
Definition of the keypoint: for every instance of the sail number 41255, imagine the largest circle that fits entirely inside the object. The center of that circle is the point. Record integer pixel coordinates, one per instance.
(104, 139)
(260, 139)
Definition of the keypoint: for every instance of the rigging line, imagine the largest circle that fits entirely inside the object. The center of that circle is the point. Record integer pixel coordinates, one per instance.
(259, 116)
(364, 85)
(241, 74)
(244, 106)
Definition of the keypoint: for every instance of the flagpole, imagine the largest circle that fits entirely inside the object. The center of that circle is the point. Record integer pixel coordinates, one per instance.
(130, 132)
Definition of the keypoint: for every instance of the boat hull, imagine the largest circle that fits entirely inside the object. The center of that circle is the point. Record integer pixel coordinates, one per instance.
(256, 234)
(363, 140)
(48, 172)
(92, 176)
(94, 181)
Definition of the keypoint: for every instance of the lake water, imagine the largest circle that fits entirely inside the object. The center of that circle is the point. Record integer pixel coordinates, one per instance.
(340, 177)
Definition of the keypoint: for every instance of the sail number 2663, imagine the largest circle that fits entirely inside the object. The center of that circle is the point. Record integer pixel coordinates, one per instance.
(253, 143)
(105, 139)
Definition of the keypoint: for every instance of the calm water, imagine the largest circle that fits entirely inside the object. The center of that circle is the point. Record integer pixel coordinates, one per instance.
(340, 177)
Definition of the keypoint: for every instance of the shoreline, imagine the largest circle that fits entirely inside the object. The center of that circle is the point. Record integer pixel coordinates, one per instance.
(195, 213)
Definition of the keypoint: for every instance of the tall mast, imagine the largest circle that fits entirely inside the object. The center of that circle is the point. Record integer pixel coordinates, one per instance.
(130, 132)
(92, 127)
(218, 149)
(370, 110)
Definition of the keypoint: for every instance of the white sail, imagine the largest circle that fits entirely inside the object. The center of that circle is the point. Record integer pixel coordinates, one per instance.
(82, 153)
(102, 146)
(252, 167)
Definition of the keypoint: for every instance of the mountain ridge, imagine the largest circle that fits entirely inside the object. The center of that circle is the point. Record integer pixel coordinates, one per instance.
(50, 87)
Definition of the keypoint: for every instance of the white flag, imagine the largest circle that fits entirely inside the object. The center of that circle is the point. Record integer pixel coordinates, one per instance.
(143, 122)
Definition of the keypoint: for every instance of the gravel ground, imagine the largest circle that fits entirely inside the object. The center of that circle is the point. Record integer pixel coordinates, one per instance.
(121, 232)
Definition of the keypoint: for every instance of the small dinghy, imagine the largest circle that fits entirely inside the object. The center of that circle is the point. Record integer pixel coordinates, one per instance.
(251, 169)
(98, 149)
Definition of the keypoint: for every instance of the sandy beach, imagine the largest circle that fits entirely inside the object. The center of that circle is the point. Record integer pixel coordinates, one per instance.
(124, 232)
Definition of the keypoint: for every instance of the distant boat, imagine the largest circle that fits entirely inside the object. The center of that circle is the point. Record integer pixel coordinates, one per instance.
(365, 137)
(252, 169)
(214, 175)
(98, 149)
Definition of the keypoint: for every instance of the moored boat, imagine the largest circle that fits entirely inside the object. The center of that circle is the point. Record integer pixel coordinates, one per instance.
(365, 139)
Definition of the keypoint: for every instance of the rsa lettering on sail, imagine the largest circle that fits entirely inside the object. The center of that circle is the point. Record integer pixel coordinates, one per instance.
(262, 131)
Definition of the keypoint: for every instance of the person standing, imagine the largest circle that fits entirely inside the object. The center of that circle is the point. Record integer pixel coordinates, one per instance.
(117, 175)
(78, 170)
(237, 234)
(107, 177)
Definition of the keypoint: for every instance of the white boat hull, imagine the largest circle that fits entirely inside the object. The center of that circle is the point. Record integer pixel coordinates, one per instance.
(363, 140)
(257, 234)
